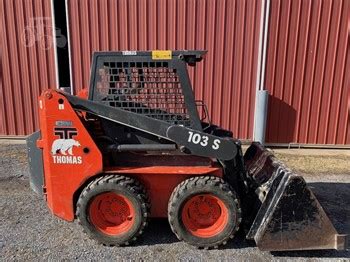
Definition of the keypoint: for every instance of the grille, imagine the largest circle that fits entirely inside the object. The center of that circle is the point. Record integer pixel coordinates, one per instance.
(152, 89)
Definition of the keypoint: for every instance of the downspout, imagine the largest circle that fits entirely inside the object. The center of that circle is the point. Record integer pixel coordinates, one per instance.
(261, 100)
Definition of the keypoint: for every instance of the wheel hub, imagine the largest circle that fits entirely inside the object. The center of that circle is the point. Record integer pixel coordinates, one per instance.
(204, 211)
(204, 215)
(112, 213)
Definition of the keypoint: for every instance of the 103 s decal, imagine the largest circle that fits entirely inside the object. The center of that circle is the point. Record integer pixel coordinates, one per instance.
(196, 139)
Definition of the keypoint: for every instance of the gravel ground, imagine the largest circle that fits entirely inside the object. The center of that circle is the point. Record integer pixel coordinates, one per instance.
(29, 232)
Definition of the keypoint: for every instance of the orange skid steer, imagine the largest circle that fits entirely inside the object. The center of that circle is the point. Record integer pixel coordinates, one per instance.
(134, 147)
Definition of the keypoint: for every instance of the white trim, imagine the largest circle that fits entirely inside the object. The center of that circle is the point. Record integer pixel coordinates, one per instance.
(301, 146)
(69, 49)
(53, 20)
(260, 47)
(266, 31)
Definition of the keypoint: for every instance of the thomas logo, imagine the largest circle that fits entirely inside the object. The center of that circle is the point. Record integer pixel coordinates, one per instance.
(62, 148)
(62, 145)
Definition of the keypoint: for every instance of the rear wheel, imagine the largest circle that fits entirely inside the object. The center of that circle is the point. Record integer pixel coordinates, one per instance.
(204, 211)
(113, 209)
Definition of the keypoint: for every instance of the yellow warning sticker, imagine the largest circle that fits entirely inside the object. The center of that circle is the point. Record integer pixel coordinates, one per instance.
(161, 54)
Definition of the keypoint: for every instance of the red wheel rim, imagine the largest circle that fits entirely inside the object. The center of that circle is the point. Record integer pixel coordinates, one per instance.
(205, 215)
(112, 213)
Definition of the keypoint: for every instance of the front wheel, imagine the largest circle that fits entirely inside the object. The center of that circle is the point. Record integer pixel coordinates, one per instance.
(204, 211)
(113, 209)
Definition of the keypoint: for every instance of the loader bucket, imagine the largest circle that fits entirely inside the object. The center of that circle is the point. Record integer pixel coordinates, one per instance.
(290, 217)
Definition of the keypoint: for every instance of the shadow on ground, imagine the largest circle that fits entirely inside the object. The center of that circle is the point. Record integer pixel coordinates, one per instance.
(159, 232)
(334, 198)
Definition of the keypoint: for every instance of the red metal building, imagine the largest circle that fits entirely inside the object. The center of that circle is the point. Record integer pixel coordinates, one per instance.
(307, 66)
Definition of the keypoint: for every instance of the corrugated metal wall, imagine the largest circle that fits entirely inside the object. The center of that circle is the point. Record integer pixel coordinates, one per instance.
(308, 71)
(229, 30)
(27, 66)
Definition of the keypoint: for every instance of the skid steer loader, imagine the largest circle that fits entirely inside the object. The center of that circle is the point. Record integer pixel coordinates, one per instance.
(133, 147)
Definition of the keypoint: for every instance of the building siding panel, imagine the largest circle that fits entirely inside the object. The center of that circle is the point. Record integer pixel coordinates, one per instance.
(228, 29)
(306, 72)
(26, 69)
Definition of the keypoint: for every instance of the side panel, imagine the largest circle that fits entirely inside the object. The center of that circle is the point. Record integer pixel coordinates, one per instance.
(35, 159)
(70, 155)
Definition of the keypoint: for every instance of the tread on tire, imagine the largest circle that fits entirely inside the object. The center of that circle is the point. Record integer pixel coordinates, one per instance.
(196, 187)
(124, 186)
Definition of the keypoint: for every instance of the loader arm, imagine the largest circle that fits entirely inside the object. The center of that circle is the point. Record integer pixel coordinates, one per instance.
(188, 140)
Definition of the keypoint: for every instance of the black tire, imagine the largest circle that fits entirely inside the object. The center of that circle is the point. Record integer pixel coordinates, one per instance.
(197, 187)
(124, 187)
